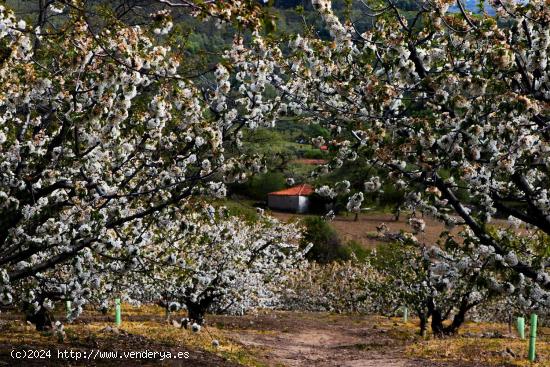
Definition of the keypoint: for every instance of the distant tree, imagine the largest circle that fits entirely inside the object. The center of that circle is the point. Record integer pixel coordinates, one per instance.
(207, 260)
(434, 283)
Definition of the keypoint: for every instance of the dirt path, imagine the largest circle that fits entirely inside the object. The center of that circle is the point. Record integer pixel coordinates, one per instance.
(323, 340)
(315, 347)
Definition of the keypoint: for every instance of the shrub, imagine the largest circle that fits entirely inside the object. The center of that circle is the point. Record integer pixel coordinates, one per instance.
(360, 252)
(327, 246)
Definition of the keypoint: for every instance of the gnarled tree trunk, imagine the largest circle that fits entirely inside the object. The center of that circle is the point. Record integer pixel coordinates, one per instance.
(42, 319)
(438, 328)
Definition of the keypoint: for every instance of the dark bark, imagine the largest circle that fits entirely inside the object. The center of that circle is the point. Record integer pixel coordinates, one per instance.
(397, 212)
(438, 327)
(165, 305)
(50, 262)
(42, 319)
(195, 312)
(458, 320)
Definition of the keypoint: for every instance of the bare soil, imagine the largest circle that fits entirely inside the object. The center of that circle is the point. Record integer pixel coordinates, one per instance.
(363, 229)
(267, 339)
(324, 340)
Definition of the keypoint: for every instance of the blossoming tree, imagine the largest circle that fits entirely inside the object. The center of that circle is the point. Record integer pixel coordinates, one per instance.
(438, 282)
(452, 108)
(207, 260)
(100, 135)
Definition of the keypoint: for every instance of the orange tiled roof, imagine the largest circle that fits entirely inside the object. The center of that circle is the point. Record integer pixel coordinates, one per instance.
(300, 190)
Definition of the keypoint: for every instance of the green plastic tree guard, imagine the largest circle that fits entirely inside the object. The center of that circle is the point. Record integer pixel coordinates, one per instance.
(405, 314)
(533, 338)
(521, 327)
(68, 306)
(118, 318)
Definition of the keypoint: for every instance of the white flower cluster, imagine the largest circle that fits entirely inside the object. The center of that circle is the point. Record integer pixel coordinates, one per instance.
(99, 145)
(326, 191)
(476, 135)
(207, 261)
(417, 224)
(354, 202)
(165, 24)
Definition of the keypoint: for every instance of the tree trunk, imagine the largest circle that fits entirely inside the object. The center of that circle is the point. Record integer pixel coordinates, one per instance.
(423, 324)
(42, 319)
(397, 212)
(42, 12)
(460, 317)
(167, 315)
(438, 329)
(195, 312)
(458, 320)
